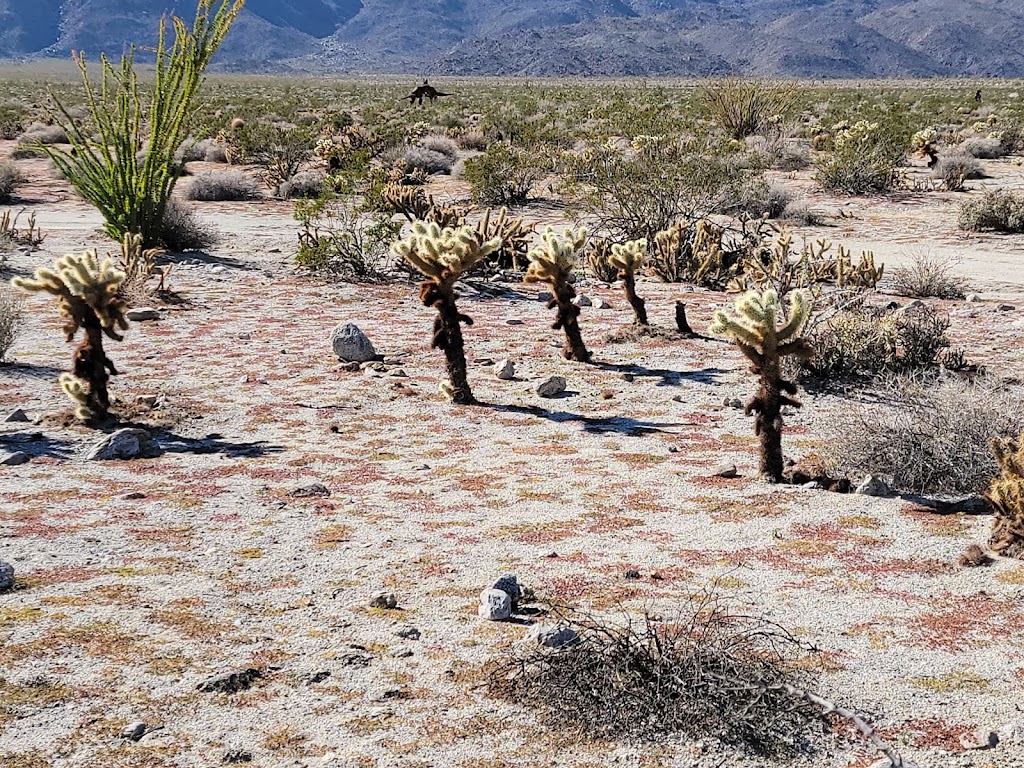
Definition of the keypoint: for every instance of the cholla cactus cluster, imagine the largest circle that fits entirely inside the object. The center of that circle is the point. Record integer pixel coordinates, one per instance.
(1006, 496)
(765, 335)
(443, 255)
(88, 293)
(553, 262)
(860, 133)
(922, 139)
(627, 259)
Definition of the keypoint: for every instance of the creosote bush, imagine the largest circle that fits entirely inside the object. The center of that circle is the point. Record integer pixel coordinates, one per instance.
(222, 186)
(927, 435)
(865, 159)
(502, 175)
(997, 211)
(304, 184)
(928, 276)
(88, 293)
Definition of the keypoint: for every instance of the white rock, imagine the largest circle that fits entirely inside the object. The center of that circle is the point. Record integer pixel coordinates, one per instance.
(726, 470)
(974, 298)
(583, 301)
(1011, 733)
(134, 731)
(124, 444)
(551, 387)
(142, 313)
(352, 345)
(495, 605)
(872, 485)
(505, 370)
(600, 303)
(551, 635)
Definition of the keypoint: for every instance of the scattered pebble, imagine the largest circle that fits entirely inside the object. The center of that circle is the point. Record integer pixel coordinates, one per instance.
(385, 600)
(725, 470)
(230, 682)
(17, 415)
(505, 370)
(142, 314)
(13, 459)
(311, 491)
(6, 576)
(632, 574)
(551, 387)
(582, 301)
(408, 632)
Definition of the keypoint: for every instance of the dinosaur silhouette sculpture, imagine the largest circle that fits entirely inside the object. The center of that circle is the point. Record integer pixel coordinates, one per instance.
(977, 96)
(425, 91)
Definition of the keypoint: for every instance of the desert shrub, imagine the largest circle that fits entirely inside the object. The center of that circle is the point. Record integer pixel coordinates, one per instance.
(502, 175)
(281, 148)
(864, 340)
(442, 145)
(799, 211)
(181, 231)
(634, 194)
(998, 210)
(307, 184)
(130, 194)
(215, 153)
(984, 148)
(222, 186)
(928, 276)
(704, 670)
(473, 140)
(792, 157)
(37, 135)
(426, 160)
(11, 316)
(340, 239)
(927, 436)
(758, 197)
(744, 107)
(865, 159)
(10, 178)
(11, 122)
(191, 151)
(955, 168)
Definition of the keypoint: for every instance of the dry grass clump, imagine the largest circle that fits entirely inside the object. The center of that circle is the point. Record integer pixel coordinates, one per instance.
(11, 316)
(10, 178)
(997, 211)
(181, 231)
(926, 435)
(928, 276)
(37, 134)
(224, 186)
(707, 671)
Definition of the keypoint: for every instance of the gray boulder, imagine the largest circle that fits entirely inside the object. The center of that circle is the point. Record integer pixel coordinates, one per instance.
(551, 636)
(6, 576)
(351, 345)
(505, 370)
(872, 485)
(125, 444)
(552, 386)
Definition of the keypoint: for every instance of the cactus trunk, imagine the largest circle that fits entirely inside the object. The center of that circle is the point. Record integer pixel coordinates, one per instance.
(768, 424)
(568, 320)
(638, 304)
(91, 365)
(448, 337)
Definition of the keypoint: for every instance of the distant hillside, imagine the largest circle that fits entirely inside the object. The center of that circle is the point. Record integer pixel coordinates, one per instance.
(804, 38)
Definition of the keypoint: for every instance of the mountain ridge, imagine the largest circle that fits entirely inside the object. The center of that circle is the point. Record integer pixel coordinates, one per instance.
(798, 38)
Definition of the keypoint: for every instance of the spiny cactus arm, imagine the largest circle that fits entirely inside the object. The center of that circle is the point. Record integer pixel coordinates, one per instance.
(44, 281)
(628, 256)
(799, 312)
(735, 328)
(74, 389)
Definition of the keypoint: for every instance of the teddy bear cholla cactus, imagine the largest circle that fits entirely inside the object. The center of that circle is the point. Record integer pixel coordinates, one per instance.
(443, 256)
(553, 263)
(627, 259)
(87, 291)
(1006, 496)
(757, 331)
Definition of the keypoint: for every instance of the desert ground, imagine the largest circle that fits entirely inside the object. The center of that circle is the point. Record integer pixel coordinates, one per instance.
(290, 490)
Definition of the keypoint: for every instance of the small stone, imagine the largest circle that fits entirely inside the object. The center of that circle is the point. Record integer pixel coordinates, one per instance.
(134, 731)
(245, 336)
(14, 458)
(385, 600)
(505, 370)
(632, 574)
(1006, 307)
(974, 557)
(582, 301)
(545, 296)
(600, 303)
(495, 605)
(552, 387)
(408, 632)
(6, 576)
(230, 682)
(1012, 733)
(513, 321)
(728, 471)
(141, 314)
(350, 367)
(398, 373)
(220, 269)
(982, 738)
(607, 394)
(551, 636)
(311, 491)
(318, 677)
(235, 756)
(402, 653)
(352, 345)
(736, 403)
(509, 584)
(814, 485)
(872, 485)
(125, 444)
(628, 377)
(974, 298)
(17, 415)
(147, 401)
(387, 694)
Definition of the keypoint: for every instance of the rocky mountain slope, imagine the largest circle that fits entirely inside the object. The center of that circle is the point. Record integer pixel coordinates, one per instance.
(804, 38)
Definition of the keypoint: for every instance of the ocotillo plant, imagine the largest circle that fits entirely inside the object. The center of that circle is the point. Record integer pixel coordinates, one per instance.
(627, 260)
(87, 291)
(132, 193)
(443, 256)
(1006, 496)
(756, 330)
(553, 263)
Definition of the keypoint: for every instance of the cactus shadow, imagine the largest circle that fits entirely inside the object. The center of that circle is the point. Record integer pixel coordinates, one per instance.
(214, 443)
(622, 425)
(206, 259)
(36, 445)
(29, 370)
(668, 378)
